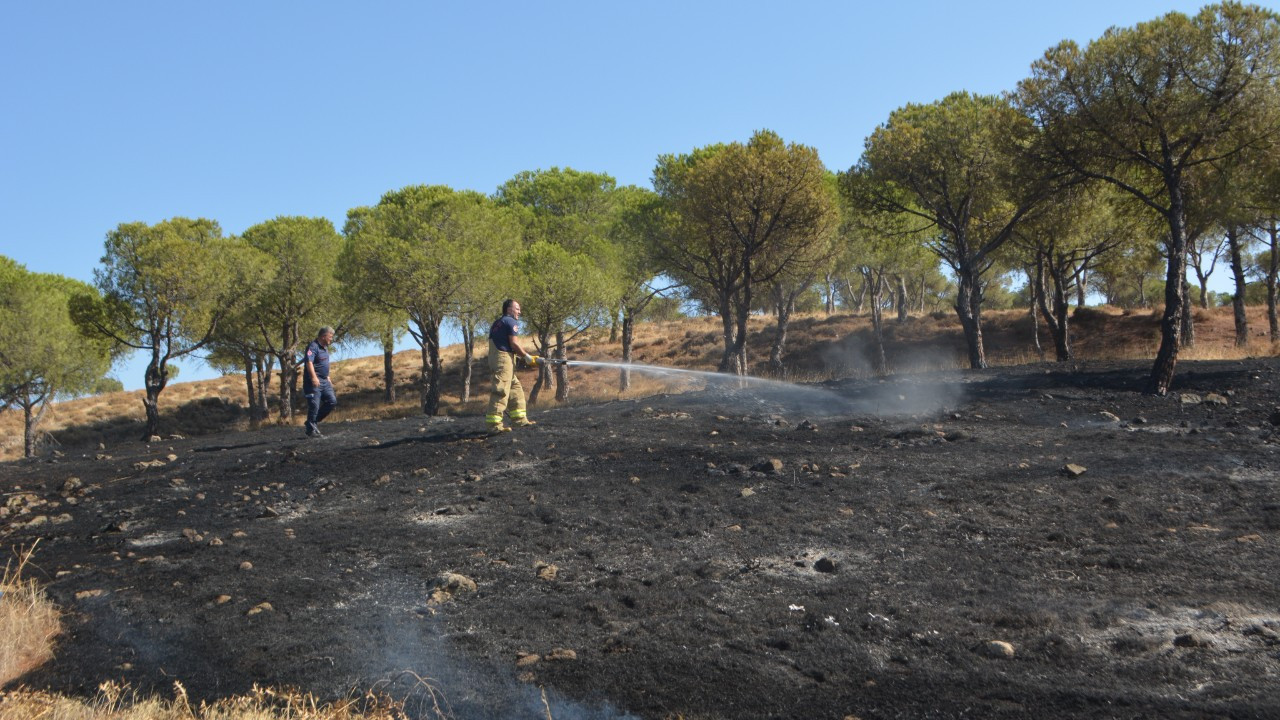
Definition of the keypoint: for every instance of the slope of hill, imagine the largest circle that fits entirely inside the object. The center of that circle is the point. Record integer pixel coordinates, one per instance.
(1034, 541)
(819, 347)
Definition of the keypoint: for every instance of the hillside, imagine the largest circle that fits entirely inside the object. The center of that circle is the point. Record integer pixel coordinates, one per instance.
(819, 348)
(1016, 542)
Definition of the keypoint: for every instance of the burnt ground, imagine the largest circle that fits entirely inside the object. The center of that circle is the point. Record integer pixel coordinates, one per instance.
(905, 526)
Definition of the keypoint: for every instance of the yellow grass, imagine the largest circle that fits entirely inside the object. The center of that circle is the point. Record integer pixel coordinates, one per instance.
(818, 348)
(116, 702)
(29, 622)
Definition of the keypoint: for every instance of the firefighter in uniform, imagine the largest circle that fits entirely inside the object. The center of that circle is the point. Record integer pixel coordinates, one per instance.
(316, 387)
(504, 348)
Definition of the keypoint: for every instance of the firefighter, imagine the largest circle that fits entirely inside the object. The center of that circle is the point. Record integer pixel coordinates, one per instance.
(316, 387)
(504, 348)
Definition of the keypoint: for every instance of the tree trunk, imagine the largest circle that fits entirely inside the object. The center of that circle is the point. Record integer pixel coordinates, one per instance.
(1082, 287)
(561, 370)
(1188, 321)
(154, 381)
(29, 423)
(1036, 277)
(873, 281)
(388, 370)
(251, 398)
(969, 309)
(1203, 281)
(263, 363)
(1237, 300)
(544, 372)
(468, 357)
(862, 296)
(628, 339)
(431, 370)
(1175, 276)
(1061, 324)
(613, 326)
(288, 388)
(728, 358)
(902, 299)
(744, 314)
(785, 304)
(830, 289)
(1273, 278)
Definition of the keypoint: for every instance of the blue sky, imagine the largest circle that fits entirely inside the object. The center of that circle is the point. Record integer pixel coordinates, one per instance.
(240, 112)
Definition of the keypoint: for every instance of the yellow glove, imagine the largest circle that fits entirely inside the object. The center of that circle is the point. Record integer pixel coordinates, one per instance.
(531, 360)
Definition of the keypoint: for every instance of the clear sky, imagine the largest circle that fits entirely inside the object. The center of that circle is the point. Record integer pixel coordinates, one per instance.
(243, 111)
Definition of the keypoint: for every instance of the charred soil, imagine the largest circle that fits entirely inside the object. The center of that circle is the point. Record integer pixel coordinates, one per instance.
(1035, 541)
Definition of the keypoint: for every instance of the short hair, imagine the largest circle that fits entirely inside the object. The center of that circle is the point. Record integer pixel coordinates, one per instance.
(506, 305)
(326, 329)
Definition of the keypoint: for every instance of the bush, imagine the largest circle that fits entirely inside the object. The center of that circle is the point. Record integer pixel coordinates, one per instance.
(28, 622)
(107, 385)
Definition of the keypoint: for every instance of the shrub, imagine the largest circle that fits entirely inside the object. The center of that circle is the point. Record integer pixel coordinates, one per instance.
(28, 622)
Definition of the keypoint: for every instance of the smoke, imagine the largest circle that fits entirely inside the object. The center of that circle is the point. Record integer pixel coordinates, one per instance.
(881, 397)
(417, 661)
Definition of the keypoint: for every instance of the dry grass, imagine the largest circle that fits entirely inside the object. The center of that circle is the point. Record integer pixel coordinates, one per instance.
(116, 702)
(819, 347)
(29, 622)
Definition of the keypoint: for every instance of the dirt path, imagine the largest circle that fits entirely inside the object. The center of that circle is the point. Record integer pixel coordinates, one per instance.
(912, 548)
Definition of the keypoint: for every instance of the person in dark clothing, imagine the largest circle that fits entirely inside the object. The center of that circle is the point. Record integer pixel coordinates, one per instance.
(316, 387)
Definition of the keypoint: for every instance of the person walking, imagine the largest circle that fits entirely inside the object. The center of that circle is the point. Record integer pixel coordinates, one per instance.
(504, 348)
(316, 387)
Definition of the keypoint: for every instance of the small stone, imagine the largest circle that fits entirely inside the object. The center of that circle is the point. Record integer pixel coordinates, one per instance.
(825, 565)
(450, 584)
(1254, 538)
(71, 485)
(171, 457)
(546, 571)
(155, 439)
(1191, 640)
(85, 594)
(1109, 417)
(222, 600)
(260, 607)
(772, 466)
(246, 565)
(192, 535)
(239, 534)
(382, 480)
(747, 492)
(1074, 470)
(215, 542)
(527, 659)
(997, 649)
(559, 654)
(1190, 399)
(1215, 399)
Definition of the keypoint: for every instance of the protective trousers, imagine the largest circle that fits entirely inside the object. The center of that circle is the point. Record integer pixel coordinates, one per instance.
(320, 401)
(506, 387)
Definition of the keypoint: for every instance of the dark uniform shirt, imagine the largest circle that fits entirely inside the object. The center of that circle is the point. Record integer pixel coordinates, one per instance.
(319, 359)
(504, 328)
